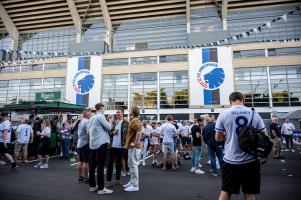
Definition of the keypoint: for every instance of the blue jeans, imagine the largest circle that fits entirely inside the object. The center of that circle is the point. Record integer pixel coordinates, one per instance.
(197, 150)
(65, 147)
(213, 153)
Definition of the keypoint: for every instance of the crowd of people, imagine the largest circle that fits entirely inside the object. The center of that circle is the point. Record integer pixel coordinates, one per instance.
(113, 144)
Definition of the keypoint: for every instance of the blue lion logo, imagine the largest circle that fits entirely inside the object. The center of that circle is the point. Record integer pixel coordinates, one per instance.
(214, 78)
(86, 83)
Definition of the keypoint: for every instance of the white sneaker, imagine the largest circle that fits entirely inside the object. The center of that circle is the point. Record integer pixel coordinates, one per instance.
(105, 191)
(93, 189)
(123, 174)
(293, 150)
(198, 171)
(38, 165)
(286, 150)
(45, 166)
(2, 162)
(127, 185)
(192, 169)
(200, 165)
(209, 162)
(131, 189)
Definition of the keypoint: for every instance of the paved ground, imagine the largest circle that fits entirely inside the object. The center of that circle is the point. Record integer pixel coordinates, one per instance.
(279, 181)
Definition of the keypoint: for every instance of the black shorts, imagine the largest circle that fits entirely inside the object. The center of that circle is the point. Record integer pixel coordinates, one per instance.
(246, 176)
(44, 146)
(84, 153)
(3, 150)
(186, 140)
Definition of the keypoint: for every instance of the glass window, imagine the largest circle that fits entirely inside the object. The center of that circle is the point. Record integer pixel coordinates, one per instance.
(253, 83)
(271, 52)
(29, 88)
(55, 66)
(288, 51)
(285, 85)
(144, 60)
(144, 90)
(12, 91)
(174, 89)
(115, 91)
(9, 69)
(253, 53)
(173, 58)
(115, 62)
(3, 92)
(205, 20)
(156, 33)
(239, 21)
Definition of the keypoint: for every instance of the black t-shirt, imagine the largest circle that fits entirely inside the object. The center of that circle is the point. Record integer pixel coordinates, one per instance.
(277, 129)
(196, 141)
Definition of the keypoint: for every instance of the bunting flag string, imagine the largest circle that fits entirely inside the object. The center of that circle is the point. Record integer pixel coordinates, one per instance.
(47, 55)
(248, 33)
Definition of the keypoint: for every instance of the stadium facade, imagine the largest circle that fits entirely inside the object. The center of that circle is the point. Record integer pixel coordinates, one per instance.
(144, 65)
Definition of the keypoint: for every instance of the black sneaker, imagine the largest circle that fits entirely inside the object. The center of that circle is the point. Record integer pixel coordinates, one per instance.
(86, 180)
(80, 179)
(13, 166)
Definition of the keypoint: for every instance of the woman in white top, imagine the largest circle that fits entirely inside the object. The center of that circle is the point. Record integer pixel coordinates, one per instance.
(43, 149)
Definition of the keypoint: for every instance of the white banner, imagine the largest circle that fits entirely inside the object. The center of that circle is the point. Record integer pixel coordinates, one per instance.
(210, 76)
(83, 82)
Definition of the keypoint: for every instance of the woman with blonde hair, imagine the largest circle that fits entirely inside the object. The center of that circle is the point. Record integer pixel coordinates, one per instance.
(43, 149)
(65, 137)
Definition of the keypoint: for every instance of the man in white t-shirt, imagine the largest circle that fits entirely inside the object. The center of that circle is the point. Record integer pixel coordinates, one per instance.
(186, 141)
(287, 131)
(169, 131)
(24, 133)
(5, 135)
(239, 168)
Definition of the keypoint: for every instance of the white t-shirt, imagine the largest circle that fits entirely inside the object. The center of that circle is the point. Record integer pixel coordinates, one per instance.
(46, 131)
(159, 131)
(6, 125)
(287, 128)
(168, 130)
(154, 133)
(229, 122)
(28, 131)
(21, 131)
(184, 131)
(116, 143)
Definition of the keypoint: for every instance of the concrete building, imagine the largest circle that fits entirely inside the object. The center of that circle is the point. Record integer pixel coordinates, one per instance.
(142, 66)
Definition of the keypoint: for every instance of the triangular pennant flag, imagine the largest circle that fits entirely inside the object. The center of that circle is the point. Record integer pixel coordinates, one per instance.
(234, 37)
(274, 20)
(255, 30)
(259, 29)
(268, 24)
(284, 17)
(248, 33)
(244, 34)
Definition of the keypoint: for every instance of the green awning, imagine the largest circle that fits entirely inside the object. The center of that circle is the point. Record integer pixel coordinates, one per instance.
(43, 107)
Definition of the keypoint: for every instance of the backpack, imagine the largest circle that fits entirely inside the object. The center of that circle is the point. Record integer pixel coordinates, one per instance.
(253, 142)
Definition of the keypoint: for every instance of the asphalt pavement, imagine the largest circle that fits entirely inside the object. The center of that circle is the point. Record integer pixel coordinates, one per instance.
(280, 180)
